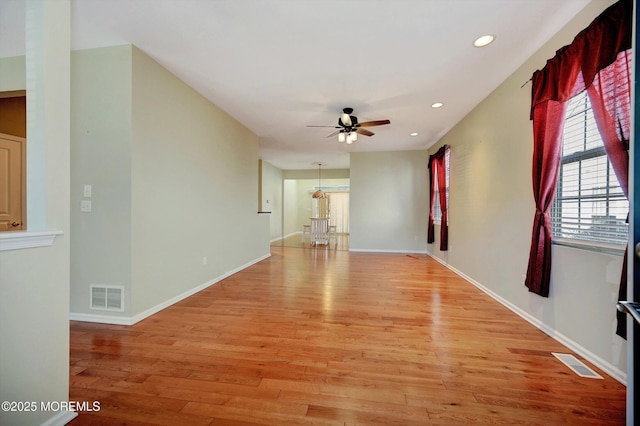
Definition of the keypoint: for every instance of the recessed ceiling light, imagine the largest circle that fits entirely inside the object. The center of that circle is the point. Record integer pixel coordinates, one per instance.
(484, 40)
(437, 105)
(414, 134)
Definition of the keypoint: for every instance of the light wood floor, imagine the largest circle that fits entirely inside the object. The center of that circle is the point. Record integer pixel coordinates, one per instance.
(319, 337)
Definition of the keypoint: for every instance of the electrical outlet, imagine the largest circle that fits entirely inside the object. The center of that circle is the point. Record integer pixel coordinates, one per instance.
(87, 191)
(85, 206)
(205, 260)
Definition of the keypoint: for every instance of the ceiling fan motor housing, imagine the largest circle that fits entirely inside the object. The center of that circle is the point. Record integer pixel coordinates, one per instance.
(354, 121)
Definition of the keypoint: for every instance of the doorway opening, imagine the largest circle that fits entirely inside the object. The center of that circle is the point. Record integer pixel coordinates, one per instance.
(297, 211)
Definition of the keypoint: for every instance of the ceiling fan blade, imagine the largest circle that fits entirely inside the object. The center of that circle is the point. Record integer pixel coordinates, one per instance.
(374, 123)
(364, 132)
(334, 133)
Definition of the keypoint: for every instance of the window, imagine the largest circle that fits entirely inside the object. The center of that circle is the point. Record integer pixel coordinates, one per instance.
(437, 212)
(589, 204)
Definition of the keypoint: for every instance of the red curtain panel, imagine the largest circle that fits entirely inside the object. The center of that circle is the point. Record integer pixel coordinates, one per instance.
(438, 168)
(574, 68)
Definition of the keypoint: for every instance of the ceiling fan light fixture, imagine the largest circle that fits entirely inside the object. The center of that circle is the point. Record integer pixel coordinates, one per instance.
(348, 127)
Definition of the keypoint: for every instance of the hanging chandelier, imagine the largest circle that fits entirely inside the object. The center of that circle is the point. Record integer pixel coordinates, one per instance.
(319, 193)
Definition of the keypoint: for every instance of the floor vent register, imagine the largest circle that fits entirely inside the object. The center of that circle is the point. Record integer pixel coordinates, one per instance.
(577, 366)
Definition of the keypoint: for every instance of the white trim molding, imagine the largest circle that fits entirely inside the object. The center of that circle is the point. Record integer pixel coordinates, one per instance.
(356, 250)
(103, 319)
(17, 240)
(61, 419)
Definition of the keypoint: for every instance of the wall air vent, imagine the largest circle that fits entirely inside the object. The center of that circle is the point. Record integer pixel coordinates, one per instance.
(107, 298)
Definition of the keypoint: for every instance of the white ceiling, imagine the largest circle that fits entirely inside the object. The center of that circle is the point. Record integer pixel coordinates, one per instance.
(280, 65)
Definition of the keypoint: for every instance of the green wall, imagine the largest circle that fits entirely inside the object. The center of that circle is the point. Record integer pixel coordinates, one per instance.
(491, 217)
(165, 220)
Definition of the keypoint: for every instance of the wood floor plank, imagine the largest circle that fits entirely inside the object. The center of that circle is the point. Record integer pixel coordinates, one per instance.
(254, 415)
(329, 337)
(122, 408)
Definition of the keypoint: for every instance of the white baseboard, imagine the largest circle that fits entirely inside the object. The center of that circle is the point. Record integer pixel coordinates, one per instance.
(286, 236)
(605, 366)
(103, 319)
(61, 419)
(387, 251)
(122, 320)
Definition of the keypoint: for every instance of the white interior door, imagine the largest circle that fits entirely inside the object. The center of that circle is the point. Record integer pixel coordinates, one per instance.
(12, 156)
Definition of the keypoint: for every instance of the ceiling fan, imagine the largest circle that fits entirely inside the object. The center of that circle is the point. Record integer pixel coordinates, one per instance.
(349, 128)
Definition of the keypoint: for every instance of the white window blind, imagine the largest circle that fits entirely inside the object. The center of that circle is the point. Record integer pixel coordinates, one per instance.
(589, 203)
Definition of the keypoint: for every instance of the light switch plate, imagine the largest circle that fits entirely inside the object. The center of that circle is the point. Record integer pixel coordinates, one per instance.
(85, 205)
(87, 191)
